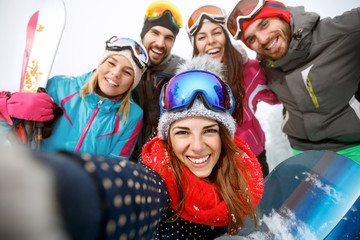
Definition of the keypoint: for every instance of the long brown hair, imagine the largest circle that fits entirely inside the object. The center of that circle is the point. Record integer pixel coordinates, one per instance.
(233, 74)
(232, 183)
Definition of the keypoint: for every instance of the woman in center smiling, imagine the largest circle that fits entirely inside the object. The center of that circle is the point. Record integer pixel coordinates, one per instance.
(212, 177)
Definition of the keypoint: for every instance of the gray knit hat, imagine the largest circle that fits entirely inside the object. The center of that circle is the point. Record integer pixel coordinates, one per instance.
(198, 108)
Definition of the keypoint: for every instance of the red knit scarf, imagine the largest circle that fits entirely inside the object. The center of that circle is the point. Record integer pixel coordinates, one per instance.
(203, 204)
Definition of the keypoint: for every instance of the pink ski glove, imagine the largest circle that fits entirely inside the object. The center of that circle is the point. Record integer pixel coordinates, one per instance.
(28, 106)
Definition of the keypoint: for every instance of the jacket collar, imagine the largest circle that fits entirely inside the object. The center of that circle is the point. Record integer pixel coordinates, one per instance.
(203, 204)
(103, 103)
(168, 65)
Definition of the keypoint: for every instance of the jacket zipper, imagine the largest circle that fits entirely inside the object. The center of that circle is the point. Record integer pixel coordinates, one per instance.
(86, 129)
(312, 93)
(308, 85)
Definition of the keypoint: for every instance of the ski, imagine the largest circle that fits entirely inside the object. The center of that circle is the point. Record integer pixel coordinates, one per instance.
(30, 33)
(31, 36)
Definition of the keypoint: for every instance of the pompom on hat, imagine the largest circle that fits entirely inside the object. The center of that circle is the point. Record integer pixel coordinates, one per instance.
(198, 108)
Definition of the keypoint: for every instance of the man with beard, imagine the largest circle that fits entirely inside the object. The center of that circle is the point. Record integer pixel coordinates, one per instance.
(312, 65)
(161, 26)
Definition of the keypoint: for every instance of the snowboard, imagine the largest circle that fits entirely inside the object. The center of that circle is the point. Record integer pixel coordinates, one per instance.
(31, 31)
(32, 35)
(312, 195)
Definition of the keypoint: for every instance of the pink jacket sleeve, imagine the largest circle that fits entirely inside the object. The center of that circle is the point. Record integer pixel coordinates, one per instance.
(256, 85)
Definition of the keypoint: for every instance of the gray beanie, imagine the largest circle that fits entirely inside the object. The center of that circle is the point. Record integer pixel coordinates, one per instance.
(202, 62)
(198, 109)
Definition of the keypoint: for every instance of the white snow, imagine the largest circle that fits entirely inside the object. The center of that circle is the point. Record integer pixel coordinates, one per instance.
(278, 226)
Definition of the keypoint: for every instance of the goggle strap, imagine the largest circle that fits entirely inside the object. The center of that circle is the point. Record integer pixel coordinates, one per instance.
(202, 17)
(240, 18)
(138, 62)
(162, 14)
(112, 45)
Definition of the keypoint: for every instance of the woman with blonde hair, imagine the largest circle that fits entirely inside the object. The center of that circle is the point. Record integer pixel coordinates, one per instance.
(212, 177)
(98, 114)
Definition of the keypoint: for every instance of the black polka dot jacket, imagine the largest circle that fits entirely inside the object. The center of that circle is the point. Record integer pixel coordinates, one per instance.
(105, 198)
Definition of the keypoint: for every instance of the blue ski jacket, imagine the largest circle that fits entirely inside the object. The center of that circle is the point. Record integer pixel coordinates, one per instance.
(93, 126)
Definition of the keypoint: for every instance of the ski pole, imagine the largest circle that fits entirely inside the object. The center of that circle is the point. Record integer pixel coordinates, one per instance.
(39, 127)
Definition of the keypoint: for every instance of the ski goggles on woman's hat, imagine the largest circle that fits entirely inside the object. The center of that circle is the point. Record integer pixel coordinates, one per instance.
(243, 11)
(213, 13)
(138, 51)
(181, 91)
(157, 9)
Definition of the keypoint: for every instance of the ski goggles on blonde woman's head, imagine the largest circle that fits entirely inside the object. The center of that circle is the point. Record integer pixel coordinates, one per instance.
(181, 91)
(138, 51)
(157, 9)
(213, 13)
(243, 11)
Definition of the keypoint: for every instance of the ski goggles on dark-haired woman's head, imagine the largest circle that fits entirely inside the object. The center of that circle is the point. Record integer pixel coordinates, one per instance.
(138, 51)
(157, 9)
(243, 11)
(210, 12)
(181, 91)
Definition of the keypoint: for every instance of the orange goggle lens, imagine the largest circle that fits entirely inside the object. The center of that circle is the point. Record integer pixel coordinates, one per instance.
(211, 11)
(155, 10)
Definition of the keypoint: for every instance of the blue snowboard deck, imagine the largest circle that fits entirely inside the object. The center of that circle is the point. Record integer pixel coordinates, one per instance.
(312, 195)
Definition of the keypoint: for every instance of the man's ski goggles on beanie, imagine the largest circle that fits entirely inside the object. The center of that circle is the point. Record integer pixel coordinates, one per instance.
(243, 11)
(181, 91)
(157, 9)
(138, 51)
(209, 12)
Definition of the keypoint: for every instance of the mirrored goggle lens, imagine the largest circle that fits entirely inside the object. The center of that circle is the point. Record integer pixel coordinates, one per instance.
(138, 51)
(244, 10)
(213, 12)
(182, 89)
(155, 10)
